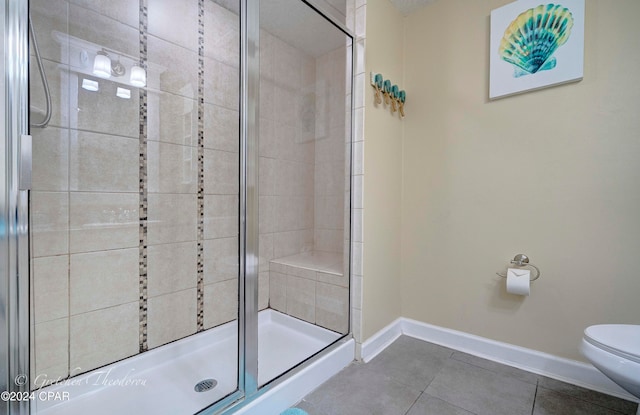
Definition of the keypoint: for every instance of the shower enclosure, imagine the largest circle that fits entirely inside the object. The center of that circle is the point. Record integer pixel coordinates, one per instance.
(175, 230)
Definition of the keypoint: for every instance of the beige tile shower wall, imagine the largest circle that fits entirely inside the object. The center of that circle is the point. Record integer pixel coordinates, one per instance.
(103, 167)
(84, 200)
(286, 147)
(221, 164)
(50, 204)
(172, 168)
(85, 197)
(356, 21)
(330, 150)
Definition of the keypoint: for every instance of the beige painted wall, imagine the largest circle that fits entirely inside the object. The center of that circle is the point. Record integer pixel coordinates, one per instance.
(382, 173)
(554, 174)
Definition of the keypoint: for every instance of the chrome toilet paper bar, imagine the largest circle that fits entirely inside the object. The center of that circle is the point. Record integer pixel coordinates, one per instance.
(521, 260)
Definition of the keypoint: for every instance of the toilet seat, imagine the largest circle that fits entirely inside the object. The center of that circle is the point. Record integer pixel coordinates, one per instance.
(622, 340)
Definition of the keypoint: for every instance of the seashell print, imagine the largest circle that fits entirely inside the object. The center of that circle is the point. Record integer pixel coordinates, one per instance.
(531, 39)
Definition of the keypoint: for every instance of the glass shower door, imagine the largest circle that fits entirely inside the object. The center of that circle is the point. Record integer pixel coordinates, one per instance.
(304, 185)
(134, 205)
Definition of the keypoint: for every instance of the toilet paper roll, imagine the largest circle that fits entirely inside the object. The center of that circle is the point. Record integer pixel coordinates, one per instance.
(518, 281)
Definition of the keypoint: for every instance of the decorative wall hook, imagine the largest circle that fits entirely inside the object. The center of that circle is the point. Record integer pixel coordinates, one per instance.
(378, 81)
(402, 97)
(387, 91)
(393, 96)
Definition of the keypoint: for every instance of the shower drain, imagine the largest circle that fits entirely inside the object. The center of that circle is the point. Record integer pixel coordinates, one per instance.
(205, 385)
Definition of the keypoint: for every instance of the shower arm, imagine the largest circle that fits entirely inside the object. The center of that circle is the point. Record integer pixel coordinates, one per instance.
(43, 76)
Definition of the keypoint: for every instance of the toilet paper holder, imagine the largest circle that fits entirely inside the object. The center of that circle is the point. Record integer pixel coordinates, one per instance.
(521, 260)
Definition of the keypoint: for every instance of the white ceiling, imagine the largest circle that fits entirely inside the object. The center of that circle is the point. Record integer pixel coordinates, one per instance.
(295, 23)
(409, 6)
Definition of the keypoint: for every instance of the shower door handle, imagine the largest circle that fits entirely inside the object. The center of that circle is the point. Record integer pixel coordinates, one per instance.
(26, 152)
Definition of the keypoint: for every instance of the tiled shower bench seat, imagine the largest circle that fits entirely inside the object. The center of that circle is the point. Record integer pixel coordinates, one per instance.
(311, 286)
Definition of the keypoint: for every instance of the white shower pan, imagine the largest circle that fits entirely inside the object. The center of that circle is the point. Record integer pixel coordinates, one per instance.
(162, 381)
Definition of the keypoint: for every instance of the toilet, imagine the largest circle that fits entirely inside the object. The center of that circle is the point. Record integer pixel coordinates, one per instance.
(615, 350)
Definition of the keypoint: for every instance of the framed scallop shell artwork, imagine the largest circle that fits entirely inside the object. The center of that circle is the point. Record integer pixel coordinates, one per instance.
(535, 44)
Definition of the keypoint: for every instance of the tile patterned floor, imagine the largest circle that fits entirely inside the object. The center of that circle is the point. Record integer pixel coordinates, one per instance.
(413, 377)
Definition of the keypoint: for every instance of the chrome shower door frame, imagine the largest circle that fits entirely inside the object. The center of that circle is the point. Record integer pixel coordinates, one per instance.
(14, 208)
(248, 210)
(249, 235)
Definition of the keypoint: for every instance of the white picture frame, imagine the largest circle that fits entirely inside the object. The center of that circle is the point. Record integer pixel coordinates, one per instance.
(564, 64)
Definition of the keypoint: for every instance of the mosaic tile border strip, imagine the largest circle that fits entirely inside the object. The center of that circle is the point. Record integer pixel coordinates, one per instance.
(200, 236)
(143, 188)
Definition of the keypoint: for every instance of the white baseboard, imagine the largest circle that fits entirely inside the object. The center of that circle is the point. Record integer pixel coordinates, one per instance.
(379, 341)
(291, 391)
(566, 370)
